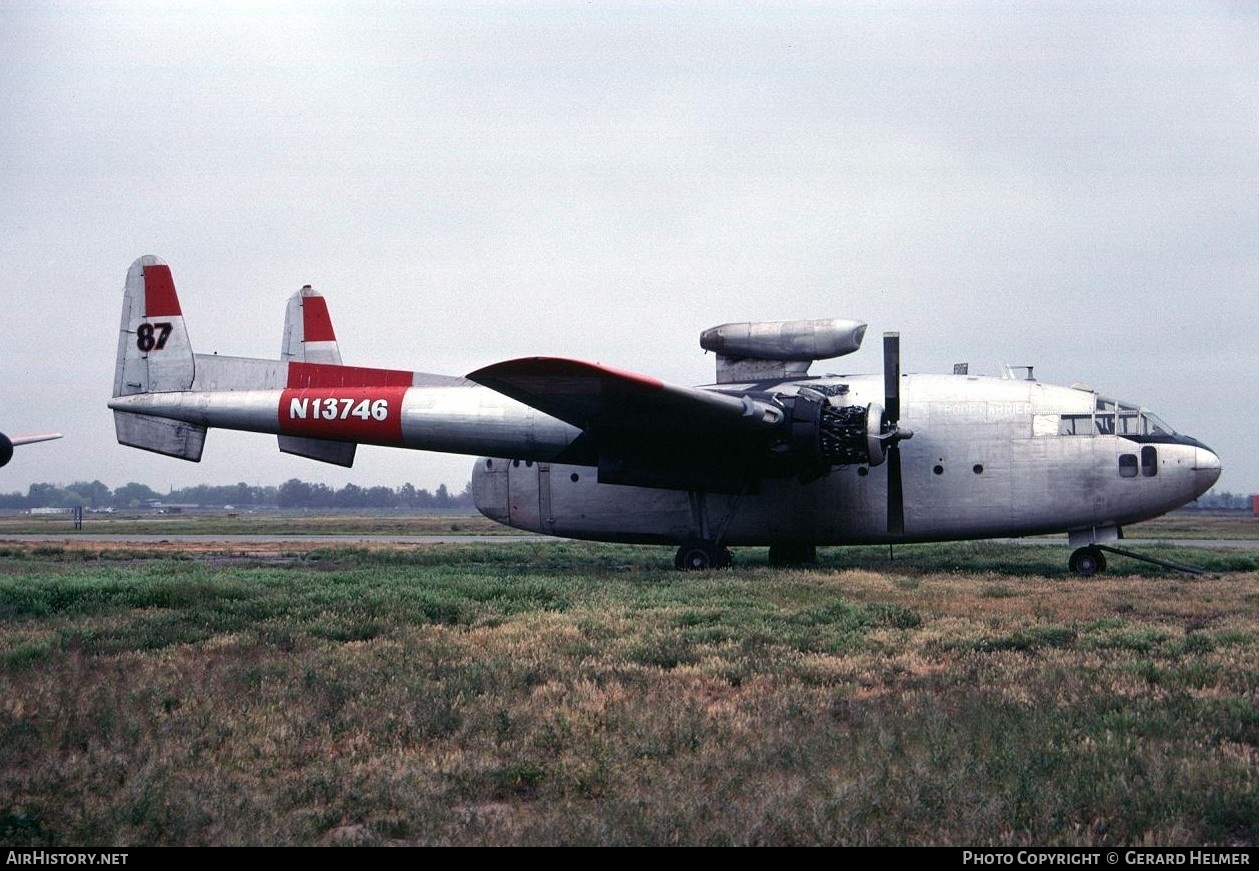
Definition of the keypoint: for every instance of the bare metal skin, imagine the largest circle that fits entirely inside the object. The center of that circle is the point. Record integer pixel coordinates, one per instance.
(765, 456)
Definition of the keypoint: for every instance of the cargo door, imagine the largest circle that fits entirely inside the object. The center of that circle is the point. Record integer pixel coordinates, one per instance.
(529, 495)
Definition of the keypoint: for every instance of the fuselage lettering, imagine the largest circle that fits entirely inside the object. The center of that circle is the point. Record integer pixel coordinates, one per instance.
(337, 408)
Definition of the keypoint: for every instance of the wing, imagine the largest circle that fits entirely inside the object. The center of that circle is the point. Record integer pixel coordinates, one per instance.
(7, 443)
(598, 398)
(31, 439)
(641, 431)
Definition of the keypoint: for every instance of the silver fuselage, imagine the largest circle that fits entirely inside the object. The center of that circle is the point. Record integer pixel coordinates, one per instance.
(989, 457)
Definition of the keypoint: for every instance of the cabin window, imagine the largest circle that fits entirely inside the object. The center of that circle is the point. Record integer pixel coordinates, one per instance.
(1076, 424)
(1149, 461)
(1127, 465)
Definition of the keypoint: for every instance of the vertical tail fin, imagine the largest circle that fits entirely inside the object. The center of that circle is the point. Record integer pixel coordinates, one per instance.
(309, 338)
(308, 335)
(154, 356)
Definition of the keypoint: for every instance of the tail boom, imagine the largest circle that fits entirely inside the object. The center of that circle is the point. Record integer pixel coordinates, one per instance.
(166, 397)
(462, 419)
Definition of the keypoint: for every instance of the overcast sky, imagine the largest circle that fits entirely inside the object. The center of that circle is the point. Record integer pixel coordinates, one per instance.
(1070, 185)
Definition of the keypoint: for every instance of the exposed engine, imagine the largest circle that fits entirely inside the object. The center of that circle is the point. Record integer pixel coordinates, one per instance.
(826, 431)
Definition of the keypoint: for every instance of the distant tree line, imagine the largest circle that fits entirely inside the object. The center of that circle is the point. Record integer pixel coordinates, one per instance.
(1225, 501)
(299, 494)
(293, 493)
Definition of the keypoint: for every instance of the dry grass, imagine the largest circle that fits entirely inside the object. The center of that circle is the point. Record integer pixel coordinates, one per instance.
(582, 694)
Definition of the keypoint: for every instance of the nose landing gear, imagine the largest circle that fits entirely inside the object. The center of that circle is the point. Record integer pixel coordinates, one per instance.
(1090, 560)
(1087, 561)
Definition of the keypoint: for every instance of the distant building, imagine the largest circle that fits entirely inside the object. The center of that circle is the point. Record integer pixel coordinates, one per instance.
(172, 507)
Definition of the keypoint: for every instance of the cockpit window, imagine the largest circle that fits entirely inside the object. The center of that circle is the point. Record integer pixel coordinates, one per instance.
(1155, 426)
(1122, 418)
(1109, 418)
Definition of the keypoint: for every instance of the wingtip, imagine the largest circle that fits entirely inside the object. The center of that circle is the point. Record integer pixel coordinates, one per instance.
(35, 437)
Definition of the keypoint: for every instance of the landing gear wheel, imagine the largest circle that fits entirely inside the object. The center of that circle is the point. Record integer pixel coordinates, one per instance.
(784, 555)
(698, 556)
(1087, 561)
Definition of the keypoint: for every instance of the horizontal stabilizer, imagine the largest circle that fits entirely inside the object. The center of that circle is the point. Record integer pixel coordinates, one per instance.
(174, 438)
(323, 450)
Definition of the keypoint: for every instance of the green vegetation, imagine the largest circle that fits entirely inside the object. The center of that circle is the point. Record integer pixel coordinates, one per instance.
(566, 693)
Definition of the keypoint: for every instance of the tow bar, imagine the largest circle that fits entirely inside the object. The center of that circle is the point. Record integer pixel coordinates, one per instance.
(1149, 559)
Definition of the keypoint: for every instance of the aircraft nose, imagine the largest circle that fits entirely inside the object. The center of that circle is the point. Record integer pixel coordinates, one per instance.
(1206, 467)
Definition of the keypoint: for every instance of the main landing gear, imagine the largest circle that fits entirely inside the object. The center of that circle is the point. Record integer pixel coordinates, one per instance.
(704, 550)
(696, 556)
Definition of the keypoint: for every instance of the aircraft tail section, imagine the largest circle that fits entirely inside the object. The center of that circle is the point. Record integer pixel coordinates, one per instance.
(174, 438)
(153, 322)
(309, 338)
(166, 397)
(308, 333)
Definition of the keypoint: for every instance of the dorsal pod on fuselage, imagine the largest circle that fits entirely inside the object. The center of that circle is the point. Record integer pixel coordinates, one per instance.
(756, 350)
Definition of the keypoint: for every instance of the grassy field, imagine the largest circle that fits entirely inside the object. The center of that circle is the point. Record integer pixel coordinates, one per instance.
(1183, 524)
(564, 693)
